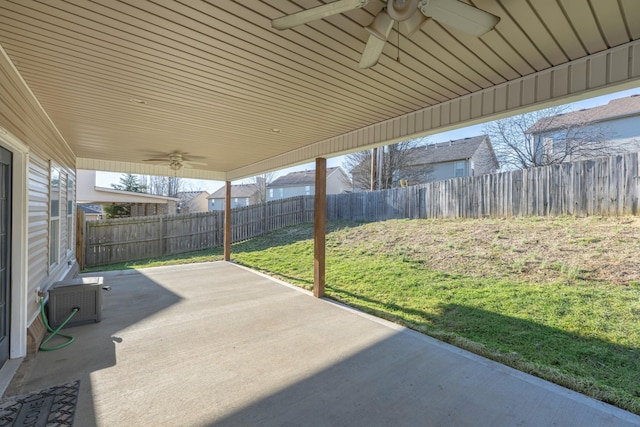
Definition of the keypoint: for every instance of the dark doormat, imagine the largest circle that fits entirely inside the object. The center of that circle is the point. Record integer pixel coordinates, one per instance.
(54, 406)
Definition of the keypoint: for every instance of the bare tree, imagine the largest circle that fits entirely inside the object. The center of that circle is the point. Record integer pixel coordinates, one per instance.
(383, 167)
(165, 185)
(545, 137)
(262, 182)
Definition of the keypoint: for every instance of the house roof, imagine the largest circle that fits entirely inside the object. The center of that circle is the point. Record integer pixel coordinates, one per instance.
(459, 149)
(242, 190)
(293, 179)
(616, 108)
(187, 196)
(101, 195)
(89, 209)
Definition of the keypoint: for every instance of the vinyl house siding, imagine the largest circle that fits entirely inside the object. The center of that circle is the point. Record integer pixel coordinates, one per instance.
(470, 156)
(616, 125)
(38, 265)
(236, 202)
(622, 136)
(27, 132)
(483, 161)
(294, 191)
(305, 185)
(241, 195)
(41, 274)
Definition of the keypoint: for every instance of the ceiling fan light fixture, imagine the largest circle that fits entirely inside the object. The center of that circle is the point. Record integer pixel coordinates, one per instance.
(414, 23)
(175, 166)
(381, 25)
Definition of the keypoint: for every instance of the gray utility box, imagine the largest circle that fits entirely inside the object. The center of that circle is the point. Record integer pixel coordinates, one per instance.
(85, 293)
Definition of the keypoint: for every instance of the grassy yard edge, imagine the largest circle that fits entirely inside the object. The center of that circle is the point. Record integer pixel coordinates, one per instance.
(585, 386)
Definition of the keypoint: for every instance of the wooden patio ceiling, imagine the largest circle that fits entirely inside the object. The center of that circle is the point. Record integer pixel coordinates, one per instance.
(127, 80)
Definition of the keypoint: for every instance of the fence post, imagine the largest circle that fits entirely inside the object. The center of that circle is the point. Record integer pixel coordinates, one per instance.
(319, 227)
(80, 243)
(265, 224)
(163, 230)
(227, 221)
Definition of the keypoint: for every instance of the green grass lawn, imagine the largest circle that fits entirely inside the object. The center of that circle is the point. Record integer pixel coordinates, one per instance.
(558, 298)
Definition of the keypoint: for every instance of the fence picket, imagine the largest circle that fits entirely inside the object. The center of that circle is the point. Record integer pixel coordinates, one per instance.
(608, 186)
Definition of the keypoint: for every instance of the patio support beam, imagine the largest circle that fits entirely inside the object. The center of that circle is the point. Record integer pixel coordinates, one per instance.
(227, 221)
(319, 227)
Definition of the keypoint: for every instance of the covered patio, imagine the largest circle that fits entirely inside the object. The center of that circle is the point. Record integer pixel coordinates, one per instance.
(217, 344)
(214, 90)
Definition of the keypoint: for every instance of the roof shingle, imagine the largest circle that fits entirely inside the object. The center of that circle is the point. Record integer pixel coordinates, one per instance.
(615, 108)
(460, 149)
(243, 190)
(306, 177)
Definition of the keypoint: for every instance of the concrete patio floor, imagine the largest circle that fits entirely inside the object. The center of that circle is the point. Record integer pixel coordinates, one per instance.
(215, 344)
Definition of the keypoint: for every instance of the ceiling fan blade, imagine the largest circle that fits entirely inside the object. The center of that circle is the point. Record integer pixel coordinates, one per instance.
(372, 52)
(318, 12)
(164, 160)
(379, 31)
(188, 162)
(459, 15)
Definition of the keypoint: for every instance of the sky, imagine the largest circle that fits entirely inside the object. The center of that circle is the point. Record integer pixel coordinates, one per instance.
(105, 179)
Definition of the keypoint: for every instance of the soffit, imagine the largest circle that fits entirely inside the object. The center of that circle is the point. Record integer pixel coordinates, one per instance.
(215, 79)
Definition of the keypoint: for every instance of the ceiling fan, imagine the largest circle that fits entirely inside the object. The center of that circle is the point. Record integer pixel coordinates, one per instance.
(176, 161)
(411, 14)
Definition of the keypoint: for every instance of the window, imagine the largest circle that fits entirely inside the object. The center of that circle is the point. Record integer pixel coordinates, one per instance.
(307, 189)
(271, 193)
(54, 216)
(281, 193)
(70, 241)
(460, 166)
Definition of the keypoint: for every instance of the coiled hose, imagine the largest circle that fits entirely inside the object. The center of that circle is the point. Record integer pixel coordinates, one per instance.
(56, 331)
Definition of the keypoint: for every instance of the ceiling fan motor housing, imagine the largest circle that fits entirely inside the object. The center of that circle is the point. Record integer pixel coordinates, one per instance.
(401, 10)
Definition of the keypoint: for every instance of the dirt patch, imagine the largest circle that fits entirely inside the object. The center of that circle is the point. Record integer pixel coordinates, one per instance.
(536, 250)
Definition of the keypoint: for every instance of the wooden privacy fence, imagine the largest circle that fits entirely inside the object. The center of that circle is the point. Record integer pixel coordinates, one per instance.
(129, 239)
(607, 186)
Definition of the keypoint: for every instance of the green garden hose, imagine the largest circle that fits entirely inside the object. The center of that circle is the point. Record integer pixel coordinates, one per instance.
(56, 331)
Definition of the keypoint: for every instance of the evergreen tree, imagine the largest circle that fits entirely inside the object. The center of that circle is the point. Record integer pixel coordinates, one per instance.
(128, 182)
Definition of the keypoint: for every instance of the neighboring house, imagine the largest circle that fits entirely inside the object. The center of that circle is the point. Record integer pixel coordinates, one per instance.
(435, 162)
(303, 183)
(193, 201)
(241, 195)
(91, 212)
(606, 130)
(471, 156)
(142, 204)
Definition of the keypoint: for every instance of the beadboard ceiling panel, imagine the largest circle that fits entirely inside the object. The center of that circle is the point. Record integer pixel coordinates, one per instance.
(127, 80)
